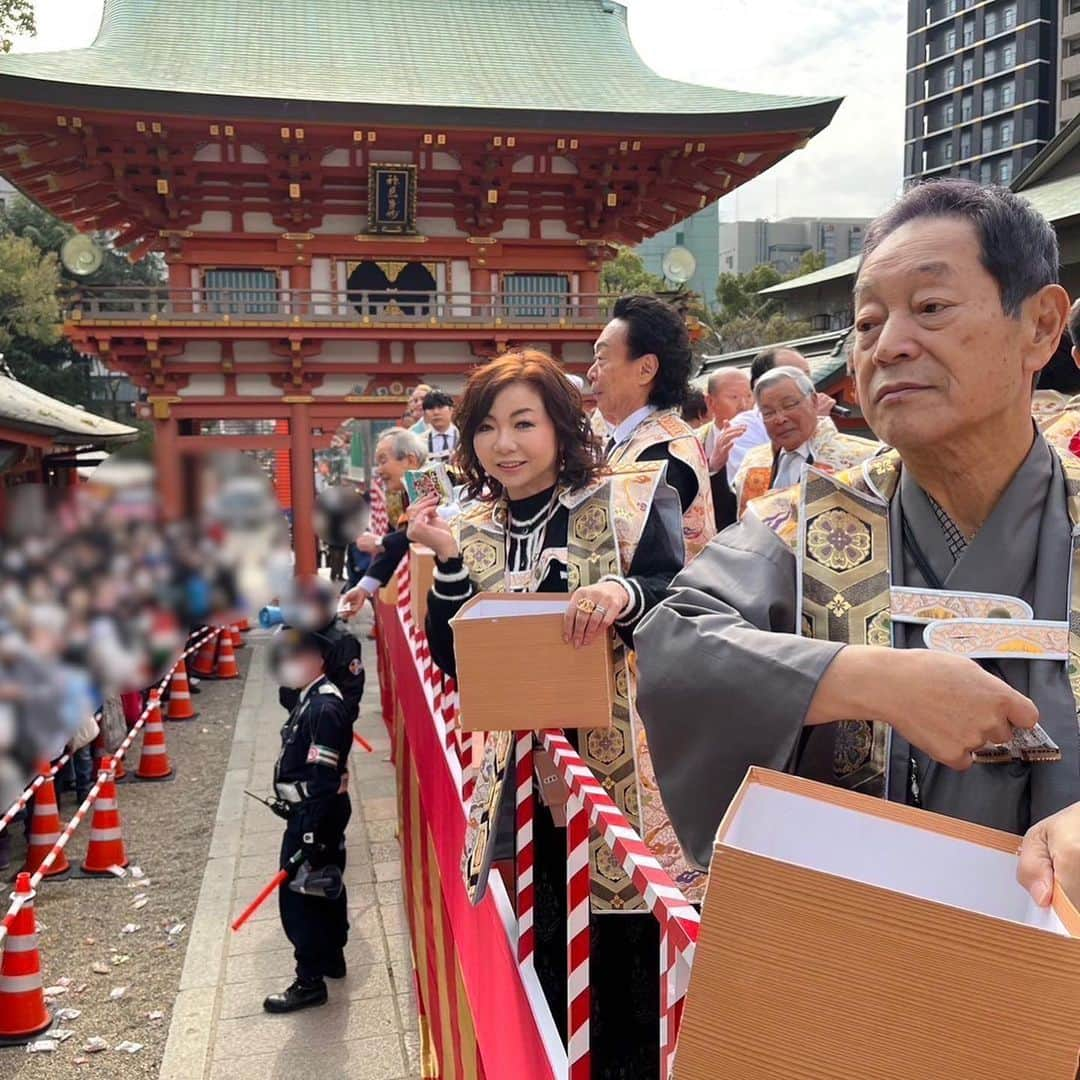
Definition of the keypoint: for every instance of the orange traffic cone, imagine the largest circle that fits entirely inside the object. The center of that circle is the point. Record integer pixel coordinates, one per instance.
(100, 752)
(106, 847)
(22, 1002)
(180, 706)
(226, 659)
(203, 664)
(245, 624)
(44, 832)
(154, 761)
(237, 640)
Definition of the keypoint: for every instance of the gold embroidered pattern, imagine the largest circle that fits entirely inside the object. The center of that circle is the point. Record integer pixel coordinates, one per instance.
(844, 589)
(699, 519)
(838, 605)
(838, 540)
(480, 557)
(591, 524)
(879, 629)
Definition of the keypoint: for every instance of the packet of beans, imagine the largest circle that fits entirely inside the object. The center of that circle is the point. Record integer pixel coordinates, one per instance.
(432, 479)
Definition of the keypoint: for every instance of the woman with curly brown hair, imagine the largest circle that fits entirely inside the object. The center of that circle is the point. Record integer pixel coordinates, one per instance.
(530, 465)
(547, 516)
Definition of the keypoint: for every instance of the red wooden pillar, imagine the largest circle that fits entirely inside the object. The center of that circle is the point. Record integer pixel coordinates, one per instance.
(167, 463)
(480, 282)
(299, 289)
(589, 287)
(282, 467)
(180, 286)
(303, 489)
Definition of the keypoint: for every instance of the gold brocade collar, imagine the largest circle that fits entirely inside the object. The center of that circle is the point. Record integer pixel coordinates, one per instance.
(491, 516)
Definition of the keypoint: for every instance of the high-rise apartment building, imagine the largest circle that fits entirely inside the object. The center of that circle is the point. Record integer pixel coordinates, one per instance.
(982, 86)
(1069, 63)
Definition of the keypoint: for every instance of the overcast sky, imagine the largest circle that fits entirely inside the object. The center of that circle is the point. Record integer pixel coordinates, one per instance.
(844, 48)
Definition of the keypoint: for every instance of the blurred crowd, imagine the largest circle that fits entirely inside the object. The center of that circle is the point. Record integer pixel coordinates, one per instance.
(97, 598)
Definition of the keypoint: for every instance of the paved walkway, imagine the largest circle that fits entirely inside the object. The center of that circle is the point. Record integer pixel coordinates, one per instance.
(368, 1031)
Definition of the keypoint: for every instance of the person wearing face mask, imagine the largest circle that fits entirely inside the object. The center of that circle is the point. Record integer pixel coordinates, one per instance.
(311, 776)
(313, 608)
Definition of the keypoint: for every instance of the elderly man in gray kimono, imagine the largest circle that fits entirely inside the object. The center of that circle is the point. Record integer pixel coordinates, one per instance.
(773, 648)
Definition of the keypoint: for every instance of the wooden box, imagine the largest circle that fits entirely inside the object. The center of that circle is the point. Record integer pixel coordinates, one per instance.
(849, 938)
(421, 575)
(514, 672)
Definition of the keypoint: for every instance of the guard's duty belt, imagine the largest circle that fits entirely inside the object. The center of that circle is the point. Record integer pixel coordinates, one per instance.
(295, 793)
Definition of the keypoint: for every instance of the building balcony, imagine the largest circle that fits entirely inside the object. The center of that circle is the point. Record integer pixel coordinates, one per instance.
(1070, 27)
(383, 309)
(1070, 67)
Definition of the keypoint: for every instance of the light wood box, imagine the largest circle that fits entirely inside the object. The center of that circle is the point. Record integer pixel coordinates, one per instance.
(514, 672)
(421, 575)
(388, 594)
(808, 967)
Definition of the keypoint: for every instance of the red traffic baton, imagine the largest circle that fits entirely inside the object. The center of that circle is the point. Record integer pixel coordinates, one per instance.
(270, 887)
(361, 741)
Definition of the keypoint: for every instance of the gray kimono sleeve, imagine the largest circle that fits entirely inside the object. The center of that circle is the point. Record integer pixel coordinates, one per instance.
(723, 682)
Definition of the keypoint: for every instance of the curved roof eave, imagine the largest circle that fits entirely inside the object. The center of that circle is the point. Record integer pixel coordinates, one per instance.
(807, 118)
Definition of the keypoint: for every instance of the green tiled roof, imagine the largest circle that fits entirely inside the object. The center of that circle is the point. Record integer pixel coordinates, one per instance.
(545, 56)
(821, 350)
(1056, 200)
(842, 269)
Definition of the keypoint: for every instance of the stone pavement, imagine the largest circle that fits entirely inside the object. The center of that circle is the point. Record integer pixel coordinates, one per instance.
(368, 1031)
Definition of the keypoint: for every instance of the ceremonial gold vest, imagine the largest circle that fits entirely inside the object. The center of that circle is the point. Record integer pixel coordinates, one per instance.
(844, 576)
(831, 450)
(699, 519)
(606, 521)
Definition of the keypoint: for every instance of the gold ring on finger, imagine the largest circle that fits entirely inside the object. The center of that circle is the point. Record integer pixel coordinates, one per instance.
(586, 605)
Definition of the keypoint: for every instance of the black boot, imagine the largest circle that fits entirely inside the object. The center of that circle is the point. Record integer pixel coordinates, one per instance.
(303, 994)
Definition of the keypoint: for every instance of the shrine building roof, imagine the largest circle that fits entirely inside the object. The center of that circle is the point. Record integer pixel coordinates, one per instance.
(536, 64)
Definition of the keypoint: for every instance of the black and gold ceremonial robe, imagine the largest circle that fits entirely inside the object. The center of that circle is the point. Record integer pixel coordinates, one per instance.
(729, 663)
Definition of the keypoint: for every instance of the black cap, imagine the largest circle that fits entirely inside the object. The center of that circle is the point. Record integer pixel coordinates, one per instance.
(292, 641)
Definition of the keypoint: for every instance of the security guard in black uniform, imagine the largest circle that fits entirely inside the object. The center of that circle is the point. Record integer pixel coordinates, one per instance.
(310, 778)
(313, 606)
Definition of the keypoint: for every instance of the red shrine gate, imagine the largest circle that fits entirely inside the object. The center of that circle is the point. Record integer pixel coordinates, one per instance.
(385, 194)
(343, 216)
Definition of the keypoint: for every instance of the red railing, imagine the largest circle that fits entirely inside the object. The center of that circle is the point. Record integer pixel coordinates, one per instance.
(126, 303)
(589, 807)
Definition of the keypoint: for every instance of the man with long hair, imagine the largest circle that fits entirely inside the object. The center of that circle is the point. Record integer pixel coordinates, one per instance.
(640, 376)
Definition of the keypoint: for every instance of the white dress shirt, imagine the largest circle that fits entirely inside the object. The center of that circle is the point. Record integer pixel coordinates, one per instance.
(623, 431)
(789, 470)
(754, 435)
(442, 443)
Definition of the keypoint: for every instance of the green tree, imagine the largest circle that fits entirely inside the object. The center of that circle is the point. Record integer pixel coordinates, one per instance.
(29, 280)
(47, 362)
(56, 370)
(27, 219)
(737, 295)
(810, 261)
(626, 274)
(744, 319)
(16, 17)
(750, 332)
